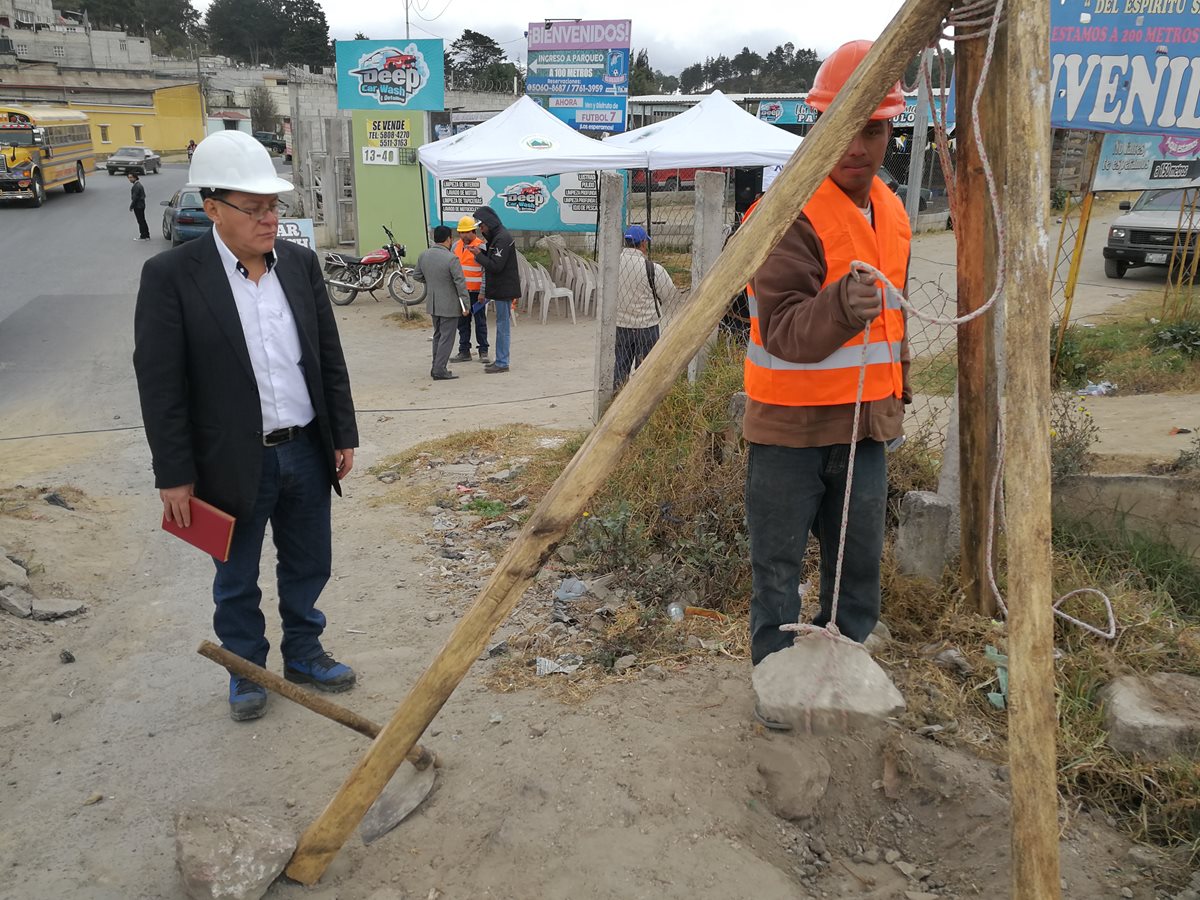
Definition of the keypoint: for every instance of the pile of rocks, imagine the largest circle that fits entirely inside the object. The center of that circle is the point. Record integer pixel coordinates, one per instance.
(16, 598)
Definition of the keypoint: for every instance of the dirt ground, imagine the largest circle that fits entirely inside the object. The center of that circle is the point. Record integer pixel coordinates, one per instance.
(647, 789)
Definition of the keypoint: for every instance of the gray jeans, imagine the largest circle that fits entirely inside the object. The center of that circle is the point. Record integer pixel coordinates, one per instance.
(790, 492)
(445, 328)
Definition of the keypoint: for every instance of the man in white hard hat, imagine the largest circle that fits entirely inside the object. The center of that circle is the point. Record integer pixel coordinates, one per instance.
(246, 402)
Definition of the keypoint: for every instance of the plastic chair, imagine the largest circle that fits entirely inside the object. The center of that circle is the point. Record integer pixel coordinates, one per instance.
(552, 292)
(584, 284)
(525, 270)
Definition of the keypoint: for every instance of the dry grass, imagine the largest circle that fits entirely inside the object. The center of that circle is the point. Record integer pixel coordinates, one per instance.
(1120, 349)
(669, 526)
(415, 319)
(1159, 801)
(548, 451)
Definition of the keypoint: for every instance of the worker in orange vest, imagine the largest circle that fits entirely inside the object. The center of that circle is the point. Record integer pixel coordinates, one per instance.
(808, 313)
(467, 241)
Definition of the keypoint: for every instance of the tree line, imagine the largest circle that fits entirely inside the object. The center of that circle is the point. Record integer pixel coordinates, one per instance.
(786, 69)
(275, 32)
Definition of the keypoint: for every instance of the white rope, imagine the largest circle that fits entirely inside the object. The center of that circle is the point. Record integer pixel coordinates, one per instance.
(864, 272)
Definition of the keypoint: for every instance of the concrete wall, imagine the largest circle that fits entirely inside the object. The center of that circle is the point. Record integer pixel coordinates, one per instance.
(389, 195)
(215, 125)
(43, 10)
(117, 50)
(1161, 507)
(75, 47)
(179, 113)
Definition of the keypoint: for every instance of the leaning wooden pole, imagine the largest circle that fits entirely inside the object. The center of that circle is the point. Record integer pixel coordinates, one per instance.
(914, 27)
(978, 404)
(1032, 719)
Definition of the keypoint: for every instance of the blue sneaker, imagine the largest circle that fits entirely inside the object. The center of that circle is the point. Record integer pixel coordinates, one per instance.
(321, 671)
(247, 700)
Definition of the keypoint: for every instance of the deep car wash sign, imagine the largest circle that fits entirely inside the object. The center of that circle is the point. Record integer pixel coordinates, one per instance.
(541, 203)
(391, 75)
(1125, 65)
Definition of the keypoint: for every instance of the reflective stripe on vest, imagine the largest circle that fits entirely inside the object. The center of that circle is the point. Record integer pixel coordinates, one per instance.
(472, 270)
(845, 235)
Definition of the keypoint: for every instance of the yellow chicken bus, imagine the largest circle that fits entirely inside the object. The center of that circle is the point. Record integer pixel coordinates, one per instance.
(43, 147)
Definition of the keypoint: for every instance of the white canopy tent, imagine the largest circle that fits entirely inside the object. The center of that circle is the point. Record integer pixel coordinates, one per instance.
(714, 132)
(523, 140)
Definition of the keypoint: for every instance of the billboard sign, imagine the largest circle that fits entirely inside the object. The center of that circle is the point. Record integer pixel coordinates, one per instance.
(796, 112)
(579, 71)
(542, 203)
(1125, 65)
(393, 75)
(1142, 162)
(298, 231)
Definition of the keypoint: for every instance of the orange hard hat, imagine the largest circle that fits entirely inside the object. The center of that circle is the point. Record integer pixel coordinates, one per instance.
(836, 71)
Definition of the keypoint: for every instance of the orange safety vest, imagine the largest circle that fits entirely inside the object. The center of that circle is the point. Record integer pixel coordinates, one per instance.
(471, 267)
(846, 235)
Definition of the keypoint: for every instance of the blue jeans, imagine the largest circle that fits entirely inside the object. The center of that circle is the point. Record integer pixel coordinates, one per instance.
(503, 331)
(481, 331)
(790, 492)
(293, 494)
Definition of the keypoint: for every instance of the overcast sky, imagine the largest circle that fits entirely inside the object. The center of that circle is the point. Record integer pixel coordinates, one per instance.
(677, 34)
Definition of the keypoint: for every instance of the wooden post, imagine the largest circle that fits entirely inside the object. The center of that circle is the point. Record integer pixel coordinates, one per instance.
(1032, 720)
(978, 404)
(915, 25)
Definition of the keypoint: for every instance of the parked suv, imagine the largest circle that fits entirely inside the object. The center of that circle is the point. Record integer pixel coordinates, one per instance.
(1151, 231)
(270, 140)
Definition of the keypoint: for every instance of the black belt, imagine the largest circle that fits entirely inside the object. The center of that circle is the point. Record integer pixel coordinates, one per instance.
(282, 435)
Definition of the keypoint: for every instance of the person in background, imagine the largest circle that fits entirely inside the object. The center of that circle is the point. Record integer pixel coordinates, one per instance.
(502, 281)
(191, 148)
(467, 241)
(643, 287)
(446, 298)
(804, 361)
(246, 402)
(137, 205)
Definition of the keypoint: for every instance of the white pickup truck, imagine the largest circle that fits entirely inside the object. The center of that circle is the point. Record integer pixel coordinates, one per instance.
(1152, 233)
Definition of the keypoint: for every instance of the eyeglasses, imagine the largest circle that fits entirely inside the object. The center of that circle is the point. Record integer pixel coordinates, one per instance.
(278, 208)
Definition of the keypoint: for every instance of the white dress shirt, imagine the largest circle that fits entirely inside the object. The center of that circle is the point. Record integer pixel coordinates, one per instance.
(273, 342)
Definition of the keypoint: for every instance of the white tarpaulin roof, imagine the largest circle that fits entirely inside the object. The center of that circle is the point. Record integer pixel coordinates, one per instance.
(714, 132)
(523, 140)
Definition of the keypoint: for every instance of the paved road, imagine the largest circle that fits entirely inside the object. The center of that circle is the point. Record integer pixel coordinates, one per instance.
(67, 289)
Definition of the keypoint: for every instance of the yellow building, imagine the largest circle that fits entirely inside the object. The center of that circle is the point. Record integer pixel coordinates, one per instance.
(125, 108)
(175, 116)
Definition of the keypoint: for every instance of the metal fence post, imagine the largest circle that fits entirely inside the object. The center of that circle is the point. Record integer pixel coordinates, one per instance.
(609, 242)
(920, 140)
(708, 234)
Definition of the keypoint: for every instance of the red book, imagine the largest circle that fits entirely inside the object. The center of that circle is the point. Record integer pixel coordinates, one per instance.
(211, 529)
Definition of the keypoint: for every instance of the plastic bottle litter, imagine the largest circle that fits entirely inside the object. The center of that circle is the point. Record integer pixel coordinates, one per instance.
(1103, 389)
(676, 612)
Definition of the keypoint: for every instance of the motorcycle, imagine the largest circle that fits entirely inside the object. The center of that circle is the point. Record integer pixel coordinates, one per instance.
(347, 276)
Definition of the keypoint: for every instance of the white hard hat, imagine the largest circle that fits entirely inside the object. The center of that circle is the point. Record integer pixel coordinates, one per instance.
(235, 161)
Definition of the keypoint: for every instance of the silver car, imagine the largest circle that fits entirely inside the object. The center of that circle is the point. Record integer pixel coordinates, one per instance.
(1153, 233)
(135, 161)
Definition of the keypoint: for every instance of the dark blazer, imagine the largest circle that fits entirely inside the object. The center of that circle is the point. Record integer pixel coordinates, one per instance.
(137, 196)
(200, 402)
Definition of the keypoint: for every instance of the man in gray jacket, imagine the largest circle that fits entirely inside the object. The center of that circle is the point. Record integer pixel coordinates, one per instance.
(446, 297)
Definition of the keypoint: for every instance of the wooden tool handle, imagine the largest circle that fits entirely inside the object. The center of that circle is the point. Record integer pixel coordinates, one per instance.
(418, 756)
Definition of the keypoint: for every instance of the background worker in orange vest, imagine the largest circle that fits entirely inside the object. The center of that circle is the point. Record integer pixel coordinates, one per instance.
(808, 312)
(467, 241)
